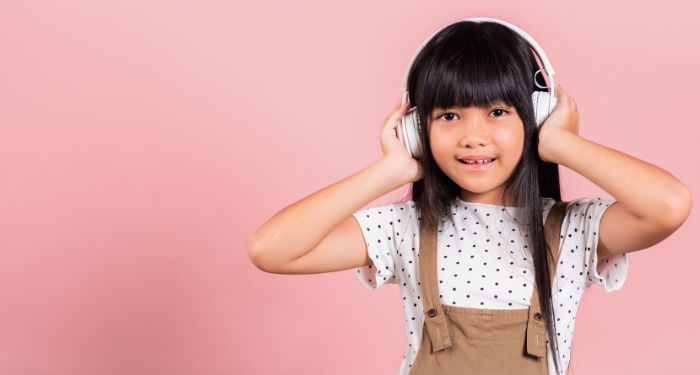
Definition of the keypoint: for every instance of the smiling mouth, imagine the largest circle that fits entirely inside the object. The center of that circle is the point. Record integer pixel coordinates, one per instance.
(476, 162)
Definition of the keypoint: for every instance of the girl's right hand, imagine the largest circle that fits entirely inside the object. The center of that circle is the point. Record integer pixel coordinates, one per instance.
(393, 149)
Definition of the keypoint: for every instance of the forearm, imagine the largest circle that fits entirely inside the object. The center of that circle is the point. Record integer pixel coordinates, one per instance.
(298, 228)
(642, 188)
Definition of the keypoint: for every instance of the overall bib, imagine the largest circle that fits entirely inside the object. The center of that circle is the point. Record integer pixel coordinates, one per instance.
(465, 340)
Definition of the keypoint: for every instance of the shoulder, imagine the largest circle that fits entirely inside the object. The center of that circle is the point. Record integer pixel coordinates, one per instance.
(586, 209)
(387, 219)
(580, 235)
(578, 208)
(399, 210)
(582, 216)
(385, 228)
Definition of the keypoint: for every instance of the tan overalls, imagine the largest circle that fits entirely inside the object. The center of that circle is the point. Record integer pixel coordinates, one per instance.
(464, 340)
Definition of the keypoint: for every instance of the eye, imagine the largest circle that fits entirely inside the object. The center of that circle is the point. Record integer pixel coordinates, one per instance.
(500, 113)
(501, 110)
(446, 114)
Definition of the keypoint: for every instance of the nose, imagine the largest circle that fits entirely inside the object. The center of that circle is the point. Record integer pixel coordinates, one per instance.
(474, 133)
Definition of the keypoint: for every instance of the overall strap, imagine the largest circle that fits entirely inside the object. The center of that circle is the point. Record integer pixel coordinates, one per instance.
(434, 315)
(536, 328)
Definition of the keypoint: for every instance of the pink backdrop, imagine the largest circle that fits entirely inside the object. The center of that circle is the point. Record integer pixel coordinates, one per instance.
(142, 143)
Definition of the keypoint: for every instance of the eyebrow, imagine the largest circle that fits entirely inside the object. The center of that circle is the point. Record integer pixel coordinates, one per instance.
(498, 103)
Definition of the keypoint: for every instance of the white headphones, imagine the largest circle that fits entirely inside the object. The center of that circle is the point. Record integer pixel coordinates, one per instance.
(409, 127)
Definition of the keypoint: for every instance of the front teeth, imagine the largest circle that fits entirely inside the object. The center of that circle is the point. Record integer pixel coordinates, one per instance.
(480, 161)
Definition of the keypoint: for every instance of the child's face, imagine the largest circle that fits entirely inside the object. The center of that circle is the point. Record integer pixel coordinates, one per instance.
(496, 131)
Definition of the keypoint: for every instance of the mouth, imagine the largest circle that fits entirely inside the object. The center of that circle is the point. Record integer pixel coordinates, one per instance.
(476, 166)
(477, 162)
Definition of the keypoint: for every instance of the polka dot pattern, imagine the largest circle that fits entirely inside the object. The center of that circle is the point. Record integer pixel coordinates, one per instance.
(484, 261)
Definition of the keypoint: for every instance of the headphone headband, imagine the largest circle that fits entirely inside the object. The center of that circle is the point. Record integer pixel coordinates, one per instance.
(533, 44)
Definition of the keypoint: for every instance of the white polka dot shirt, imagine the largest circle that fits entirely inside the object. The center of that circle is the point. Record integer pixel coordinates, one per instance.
(483, 262)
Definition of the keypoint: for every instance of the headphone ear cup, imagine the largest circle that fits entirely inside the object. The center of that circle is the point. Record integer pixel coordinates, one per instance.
(540, 103)
(409, 129)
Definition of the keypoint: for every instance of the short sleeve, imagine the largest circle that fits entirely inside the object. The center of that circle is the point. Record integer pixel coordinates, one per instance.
(581, 236)
(381, 227)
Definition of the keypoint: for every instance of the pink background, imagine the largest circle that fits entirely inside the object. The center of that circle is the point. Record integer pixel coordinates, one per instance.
(142, 143)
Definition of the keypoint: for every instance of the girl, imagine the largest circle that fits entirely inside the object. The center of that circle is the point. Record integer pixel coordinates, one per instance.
(481, 227)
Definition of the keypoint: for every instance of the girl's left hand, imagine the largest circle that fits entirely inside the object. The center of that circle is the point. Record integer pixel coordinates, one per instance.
(564, 117)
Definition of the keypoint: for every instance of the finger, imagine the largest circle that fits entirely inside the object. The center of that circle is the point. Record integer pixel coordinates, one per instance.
(398, 108)
(401, 110)
(563, 96)
(389, 117)
(393, 117)
(568, 98)
(404, 109)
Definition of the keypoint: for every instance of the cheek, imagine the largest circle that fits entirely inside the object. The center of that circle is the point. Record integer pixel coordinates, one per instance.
(443, 153)
(510, 145)
(511, 131)
(440, 143)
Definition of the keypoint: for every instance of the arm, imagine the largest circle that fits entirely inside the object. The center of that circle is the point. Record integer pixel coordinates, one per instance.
(651, 205)
(295, 231)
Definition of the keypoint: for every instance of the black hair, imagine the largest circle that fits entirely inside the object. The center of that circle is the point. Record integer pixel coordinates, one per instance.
(477, 64)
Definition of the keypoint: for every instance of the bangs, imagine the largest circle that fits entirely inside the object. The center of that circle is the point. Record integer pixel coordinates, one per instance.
(468, 68)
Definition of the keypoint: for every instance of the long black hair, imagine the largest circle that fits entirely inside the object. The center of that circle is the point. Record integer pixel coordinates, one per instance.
(476, 64)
